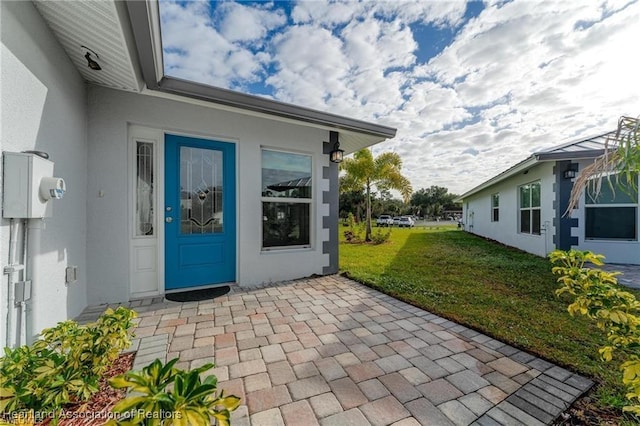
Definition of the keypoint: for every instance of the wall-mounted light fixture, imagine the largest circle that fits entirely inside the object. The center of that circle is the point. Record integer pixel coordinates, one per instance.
(91, 63)
(570, 173)
(336, 155)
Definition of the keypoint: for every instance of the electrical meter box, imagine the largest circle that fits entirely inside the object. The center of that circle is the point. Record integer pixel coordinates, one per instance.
(28, 185)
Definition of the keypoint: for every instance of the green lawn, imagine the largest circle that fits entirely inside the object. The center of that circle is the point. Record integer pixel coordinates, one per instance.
(499, 291)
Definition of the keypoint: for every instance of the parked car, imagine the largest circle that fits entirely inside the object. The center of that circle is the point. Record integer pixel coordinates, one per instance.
(396, 221)
(384, 220)
(406, 222)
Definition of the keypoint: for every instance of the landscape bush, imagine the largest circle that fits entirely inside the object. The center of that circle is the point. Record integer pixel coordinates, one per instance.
(355, 230)
(597, 295)
(380, 236)
(64, 366)
(163, 394)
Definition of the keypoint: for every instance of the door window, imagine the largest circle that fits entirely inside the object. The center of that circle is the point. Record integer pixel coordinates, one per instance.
(201, 190)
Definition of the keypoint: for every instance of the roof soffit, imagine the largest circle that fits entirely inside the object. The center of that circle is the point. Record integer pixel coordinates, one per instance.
(97, 25)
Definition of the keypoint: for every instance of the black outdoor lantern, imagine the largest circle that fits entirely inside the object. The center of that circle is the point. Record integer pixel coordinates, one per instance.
(336, 153)
(570, 173)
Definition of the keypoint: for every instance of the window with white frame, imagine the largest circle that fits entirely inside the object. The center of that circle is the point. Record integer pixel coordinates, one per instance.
(613, 213)
(495, 207)
(529, 208)
(287, 196)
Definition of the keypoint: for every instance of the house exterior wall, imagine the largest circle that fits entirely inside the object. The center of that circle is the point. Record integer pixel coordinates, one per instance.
(110, 114)
(477, 213)
(625, 252)
(43, 108)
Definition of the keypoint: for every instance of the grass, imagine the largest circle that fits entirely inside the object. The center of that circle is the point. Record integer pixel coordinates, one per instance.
(500, 291)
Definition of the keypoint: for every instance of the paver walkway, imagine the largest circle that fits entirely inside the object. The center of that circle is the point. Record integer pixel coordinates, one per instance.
(330, 351)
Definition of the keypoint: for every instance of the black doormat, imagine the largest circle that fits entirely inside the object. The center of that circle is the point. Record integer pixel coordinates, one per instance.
(198, 295)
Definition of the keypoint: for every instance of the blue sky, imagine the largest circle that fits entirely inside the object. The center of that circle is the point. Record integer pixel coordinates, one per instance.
(471, 87)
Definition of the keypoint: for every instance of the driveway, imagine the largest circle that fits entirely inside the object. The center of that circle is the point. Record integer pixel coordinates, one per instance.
(330, 351)
(629, 274)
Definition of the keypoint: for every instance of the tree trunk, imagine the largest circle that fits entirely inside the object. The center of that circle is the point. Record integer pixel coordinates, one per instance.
(367, 234)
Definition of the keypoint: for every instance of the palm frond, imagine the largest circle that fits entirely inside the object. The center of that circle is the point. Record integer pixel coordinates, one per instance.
(620, 162)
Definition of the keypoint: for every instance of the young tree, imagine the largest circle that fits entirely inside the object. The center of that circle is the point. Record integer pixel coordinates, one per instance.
(362, 171)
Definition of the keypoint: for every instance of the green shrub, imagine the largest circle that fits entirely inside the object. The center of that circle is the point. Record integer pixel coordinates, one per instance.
(65, 365)
(355, 231)
(354, 234)
(162, 394)
(597, 295)
(379, 236)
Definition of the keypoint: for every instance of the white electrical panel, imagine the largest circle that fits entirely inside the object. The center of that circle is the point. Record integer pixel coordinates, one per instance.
(28, 185)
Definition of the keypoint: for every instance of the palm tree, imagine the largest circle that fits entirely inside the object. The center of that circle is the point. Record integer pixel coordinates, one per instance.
(362, 171)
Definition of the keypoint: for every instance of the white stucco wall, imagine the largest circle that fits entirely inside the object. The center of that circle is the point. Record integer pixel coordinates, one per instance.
(477, 211)
(614, 251)
(111, 111)
(43, 108)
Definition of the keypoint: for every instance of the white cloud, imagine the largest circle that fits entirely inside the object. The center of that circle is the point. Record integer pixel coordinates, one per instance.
(311, 66)
(324, 13)
(537, 80)
(195, 50)
(377, 44)
(243, 23)
(437, 12)
(520, 77)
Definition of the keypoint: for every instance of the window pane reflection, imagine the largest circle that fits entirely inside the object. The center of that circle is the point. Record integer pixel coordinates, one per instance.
(285, 224)
(286, 175)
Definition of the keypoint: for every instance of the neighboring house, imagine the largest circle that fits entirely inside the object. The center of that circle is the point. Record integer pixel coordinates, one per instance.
(525, 206)
(170, 184)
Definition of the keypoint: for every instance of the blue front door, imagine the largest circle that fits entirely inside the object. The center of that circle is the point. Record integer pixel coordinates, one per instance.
(200, 219)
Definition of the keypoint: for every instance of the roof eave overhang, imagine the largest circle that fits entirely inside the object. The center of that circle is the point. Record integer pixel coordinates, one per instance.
(576, 155)
(144, 13)
(270, 107)
(531, 161)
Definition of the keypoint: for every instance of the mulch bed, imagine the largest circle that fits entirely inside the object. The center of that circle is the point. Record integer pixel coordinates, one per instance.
(97, 411)
(583, 412)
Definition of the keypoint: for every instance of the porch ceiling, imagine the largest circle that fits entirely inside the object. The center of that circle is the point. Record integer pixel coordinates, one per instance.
(98, 26)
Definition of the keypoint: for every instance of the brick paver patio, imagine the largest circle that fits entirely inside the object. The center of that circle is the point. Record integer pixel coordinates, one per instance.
(330, 351)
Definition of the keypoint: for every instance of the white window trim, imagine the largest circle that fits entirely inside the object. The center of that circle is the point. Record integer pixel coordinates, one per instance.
(149, 281)
(494, 208)
(310, 201)
(530, 209)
